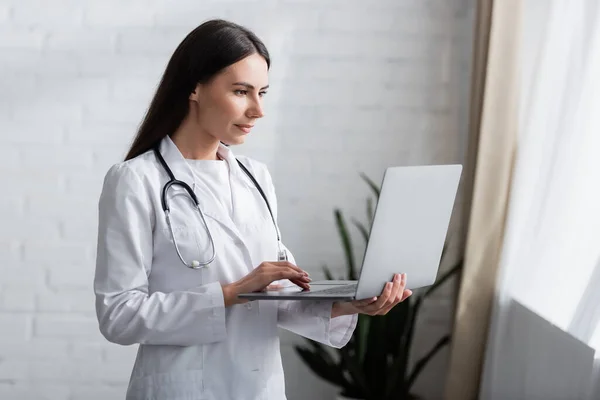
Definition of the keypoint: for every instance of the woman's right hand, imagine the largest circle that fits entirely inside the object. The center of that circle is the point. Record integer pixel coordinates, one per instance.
(261, 277)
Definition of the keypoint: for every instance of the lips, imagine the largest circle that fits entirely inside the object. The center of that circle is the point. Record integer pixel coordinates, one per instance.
(245, 128)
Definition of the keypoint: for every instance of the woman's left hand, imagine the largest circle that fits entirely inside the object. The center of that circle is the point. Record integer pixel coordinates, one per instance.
(393, 293)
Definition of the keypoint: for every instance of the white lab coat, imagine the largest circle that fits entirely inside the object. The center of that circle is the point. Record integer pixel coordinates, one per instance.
(192, 347)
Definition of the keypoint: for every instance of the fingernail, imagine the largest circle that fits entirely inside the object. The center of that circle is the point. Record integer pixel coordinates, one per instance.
(404, 276)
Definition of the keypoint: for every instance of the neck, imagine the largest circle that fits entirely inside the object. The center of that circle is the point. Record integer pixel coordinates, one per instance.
(195, 144)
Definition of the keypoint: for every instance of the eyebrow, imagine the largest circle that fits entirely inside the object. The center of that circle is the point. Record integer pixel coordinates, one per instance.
(249, 86)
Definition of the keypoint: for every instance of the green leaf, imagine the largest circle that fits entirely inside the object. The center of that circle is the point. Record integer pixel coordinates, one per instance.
(362, 229)
(327, 272)
(374, 187)
(376, 356)
(346, 243)
(419, 365)
(370, 210)
(356, 372)
(444, 277)
(315, 362)
(361, 335)
(396, 321)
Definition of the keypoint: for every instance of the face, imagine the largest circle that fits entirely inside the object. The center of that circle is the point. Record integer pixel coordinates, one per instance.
(227, 107)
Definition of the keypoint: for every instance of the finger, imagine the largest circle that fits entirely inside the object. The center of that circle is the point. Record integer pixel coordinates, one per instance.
(393, 297)
(406, 294)
(288, 273)
(301, 283)
(400, 297)
(381, 300)
(288, 265)
(397, 289)
(364, 302)
(274, 287)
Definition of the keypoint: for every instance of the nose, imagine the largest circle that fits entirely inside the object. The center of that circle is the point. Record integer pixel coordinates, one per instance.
(255, 110)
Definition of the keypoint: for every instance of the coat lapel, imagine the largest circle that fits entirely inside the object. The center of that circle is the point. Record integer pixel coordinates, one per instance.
(241, 188)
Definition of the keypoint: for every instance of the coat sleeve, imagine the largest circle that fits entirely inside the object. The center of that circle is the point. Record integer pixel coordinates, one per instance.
(311, 319)
(127, 313)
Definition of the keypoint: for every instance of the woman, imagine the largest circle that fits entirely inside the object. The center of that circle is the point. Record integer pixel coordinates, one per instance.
(198, 340)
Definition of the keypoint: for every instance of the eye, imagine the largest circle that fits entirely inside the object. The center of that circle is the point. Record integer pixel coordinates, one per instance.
(240, 92)
(263, 93)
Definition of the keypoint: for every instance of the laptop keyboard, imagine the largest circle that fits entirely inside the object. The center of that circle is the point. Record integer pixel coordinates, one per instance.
(341, 290)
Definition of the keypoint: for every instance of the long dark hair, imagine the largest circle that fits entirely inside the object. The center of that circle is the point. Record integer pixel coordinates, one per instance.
(204, 52)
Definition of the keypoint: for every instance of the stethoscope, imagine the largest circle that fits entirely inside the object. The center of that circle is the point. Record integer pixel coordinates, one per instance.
(195, 264)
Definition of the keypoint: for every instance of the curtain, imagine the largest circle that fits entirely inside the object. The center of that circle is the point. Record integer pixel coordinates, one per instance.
(492, 140)
(533, 248)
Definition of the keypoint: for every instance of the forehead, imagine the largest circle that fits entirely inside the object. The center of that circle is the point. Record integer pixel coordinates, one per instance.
(252, 69)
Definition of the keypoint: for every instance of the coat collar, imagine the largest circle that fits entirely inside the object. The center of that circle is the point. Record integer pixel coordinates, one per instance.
(241, 187)
(183, 171)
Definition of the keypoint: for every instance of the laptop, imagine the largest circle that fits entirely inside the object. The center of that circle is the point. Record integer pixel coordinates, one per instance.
(407, 235)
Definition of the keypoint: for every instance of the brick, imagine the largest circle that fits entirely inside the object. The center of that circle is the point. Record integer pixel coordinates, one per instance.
(24, 132)
(119, 14)
(418, 22)
(115, 112)
(14, 299)
(119, 354)
(5, 13)
(156, 42)
(47, 254)
(13, 370)
(123, 65)
(10, 252)
(28, 228)
(321, 71)
(167, 16)
(82, 41)
(36, 349)
(132, 89)
(58, 371)
(57, 157)
(14, 326)
(21, 38)
(50, 326)
(377, 46)
(103, 373)
(66, 296)
(26, 390)
(83, 351)
(99, 392)
(80, 229)
(40, 14)
(79, 275)
(103, 134)
(51, 112)
(20, 276)
(87, 91)
(88, 184)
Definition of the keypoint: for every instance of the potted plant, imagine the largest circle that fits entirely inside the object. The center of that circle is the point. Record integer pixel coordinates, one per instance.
(375, 364)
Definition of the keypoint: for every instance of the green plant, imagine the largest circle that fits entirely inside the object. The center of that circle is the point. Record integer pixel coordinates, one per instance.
(374, 365)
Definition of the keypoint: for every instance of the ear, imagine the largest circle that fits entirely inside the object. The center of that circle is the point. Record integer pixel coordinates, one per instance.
(194, 95)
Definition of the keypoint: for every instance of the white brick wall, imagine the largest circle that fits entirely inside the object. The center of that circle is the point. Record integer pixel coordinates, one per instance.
(356, 86)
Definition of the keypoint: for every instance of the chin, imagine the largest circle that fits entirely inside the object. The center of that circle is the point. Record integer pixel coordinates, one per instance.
(234, 141)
